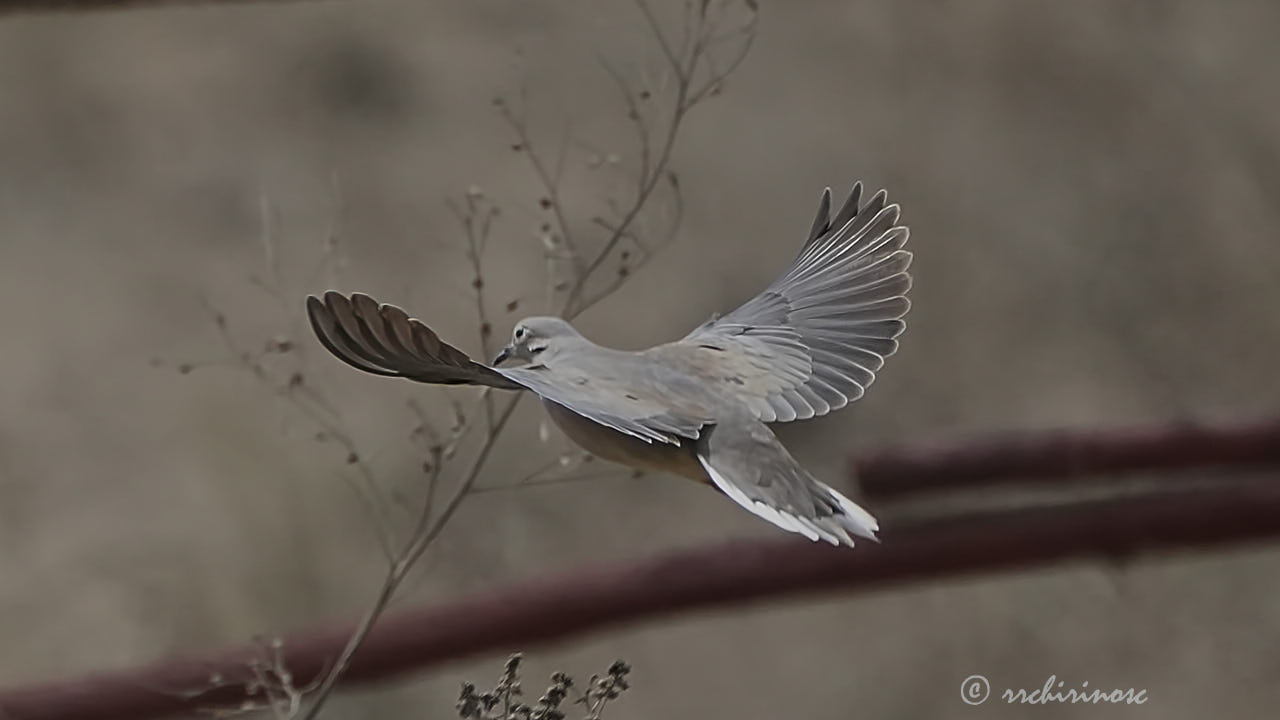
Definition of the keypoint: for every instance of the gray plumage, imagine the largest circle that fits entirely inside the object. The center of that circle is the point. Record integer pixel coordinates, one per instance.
(810, 343)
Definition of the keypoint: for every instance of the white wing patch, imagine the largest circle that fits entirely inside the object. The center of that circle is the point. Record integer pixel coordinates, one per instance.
(856, 519)
(834, 529)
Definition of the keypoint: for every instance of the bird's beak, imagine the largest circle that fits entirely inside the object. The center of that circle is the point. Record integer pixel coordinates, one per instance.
(505, 353)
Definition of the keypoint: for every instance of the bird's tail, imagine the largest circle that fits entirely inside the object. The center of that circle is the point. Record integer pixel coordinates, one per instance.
(747, 462)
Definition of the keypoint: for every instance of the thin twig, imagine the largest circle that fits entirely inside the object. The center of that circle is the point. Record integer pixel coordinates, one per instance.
(634, 115)
(477, 224)
(423, 535)
(683, 69)
(324, 415)
(550, 182)
(677, 65)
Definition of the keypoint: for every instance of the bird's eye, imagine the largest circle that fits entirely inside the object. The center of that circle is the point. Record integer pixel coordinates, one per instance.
(519, 333)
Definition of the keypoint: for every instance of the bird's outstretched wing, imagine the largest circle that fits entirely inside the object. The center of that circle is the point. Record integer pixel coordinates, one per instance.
(621, 406)
(814, 340)
(384, 340)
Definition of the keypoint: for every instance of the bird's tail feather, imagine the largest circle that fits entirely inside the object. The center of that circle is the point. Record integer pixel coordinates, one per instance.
(748, 463)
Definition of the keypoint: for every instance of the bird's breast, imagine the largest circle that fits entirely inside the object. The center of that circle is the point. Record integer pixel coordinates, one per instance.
(609, 444)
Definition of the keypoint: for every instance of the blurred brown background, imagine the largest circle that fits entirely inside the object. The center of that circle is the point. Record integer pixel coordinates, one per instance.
(1091, 190)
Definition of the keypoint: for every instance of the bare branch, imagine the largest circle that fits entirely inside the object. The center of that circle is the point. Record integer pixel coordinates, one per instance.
(468, 480)
(314, 406)
(421, 539)
(476, 220)
(677, 65)
(746, 35)
(683, 69)
(550, 181)
(625, 270)
(634, 115)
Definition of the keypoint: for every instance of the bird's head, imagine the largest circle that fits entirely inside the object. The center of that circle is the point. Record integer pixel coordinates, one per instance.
(534, 336)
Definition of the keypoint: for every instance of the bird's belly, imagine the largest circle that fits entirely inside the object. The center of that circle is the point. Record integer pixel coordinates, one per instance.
(609, 444)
